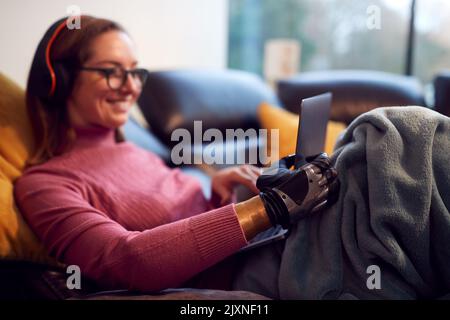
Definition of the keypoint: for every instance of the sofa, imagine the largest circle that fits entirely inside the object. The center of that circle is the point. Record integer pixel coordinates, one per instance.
(231, 99)
(226, 99)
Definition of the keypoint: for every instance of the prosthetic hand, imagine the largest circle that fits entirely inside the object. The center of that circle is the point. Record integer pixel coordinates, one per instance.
(289, 195)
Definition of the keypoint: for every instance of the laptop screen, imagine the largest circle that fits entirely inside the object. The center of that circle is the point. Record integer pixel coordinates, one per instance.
(314, 116)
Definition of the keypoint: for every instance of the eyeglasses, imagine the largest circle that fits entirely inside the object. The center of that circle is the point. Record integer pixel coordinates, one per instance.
(117, 76)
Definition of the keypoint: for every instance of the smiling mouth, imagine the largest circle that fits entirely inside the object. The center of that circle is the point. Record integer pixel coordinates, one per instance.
(120, 105)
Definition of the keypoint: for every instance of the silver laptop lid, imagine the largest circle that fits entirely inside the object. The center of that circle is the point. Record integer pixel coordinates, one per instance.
(314, 116)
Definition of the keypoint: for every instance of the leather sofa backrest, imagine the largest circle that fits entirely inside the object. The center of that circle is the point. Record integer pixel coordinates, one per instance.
(354, 91)
(222, 99)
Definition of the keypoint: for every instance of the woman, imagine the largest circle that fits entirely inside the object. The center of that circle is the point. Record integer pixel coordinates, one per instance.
(111, 208)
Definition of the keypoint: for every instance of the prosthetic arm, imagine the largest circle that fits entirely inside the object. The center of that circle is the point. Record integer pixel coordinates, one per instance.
(289, 195)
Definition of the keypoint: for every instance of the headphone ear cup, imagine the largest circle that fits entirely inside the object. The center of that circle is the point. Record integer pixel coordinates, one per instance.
(40, 79)
(63, 82)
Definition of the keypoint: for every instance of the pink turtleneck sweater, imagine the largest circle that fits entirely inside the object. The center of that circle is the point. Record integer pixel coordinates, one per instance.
(124, 217)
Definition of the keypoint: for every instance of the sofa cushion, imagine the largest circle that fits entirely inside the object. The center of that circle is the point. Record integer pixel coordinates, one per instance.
(273, 117)
(179, 294)
(17, 241)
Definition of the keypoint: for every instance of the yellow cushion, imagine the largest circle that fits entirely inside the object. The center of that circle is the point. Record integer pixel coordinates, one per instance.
(17, 241)
(272, 117)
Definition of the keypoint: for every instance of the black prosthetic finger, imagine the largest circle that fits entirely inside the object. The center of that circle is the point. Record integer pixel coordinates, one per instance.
(316, 156)
(287, 162)
(272, 178)
(322, 162)
(322, 155)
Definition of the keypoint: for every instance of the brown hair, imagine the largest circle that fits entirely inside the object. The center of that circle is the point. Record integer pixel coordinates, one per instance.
(49, 121)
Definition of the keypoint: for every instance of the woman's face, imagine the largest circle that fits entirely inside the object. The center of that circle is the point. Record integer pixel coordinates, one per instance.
(92, 102)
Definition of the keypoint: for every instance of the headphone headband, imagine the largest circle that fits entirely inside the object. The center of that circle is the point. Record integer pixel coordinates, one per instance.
(47, 57)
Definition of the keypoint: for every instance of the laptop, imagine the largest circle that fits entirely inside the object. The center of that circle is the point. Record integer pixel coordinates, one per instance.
(312, 130)
(312, 127)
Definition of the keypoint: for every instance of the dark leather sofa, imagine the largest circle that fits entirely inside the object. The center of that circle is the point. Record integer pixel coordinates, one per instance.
(221, 99)
(442, 92)
(354, 91)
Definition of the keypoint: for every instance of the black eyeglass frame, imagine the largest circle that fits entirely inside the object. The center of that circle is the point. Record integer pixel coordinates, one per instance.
(138, 73)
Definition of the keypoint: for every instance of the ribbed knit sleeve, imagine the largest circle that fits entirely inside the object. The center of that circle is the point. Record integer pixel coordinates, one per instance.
(164, 256)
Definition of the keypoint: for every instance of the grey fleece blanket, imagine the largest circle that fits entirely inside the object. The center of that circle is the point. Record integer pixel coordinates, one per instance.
(388, 235)
(392, 212)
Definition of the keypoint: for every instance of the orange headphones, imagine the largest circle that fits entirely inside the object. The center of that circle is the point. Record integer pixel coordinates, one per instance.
(47, 80)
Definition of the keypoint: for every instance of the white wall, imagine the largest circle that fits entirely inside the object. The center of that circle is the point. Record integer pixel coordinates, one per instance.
(169, 33)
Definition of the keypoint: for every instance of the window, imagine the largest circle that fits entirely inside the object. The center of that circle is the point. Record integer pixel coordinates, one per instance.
(432, 40)
(342, 34)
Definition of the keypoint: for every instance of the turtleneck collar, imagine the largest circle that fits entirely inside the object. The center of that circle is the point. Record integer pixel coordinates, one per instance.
(94, 137)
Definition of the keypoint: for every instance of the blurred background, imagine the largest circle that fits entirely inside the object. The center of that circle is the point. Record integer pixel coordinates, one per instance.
(343, 34)
(273, 39)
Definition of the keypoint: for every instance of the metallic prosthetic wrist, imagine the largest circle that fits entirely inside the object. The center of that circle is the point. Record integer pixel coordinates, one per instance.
(252, 217)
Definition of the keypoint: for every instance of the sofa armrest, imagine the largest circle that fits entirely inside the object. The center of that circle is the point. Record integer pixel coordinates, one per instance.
(442, 92)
